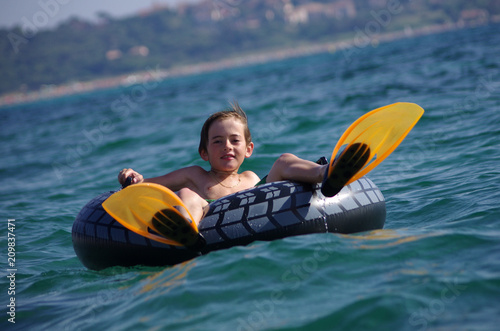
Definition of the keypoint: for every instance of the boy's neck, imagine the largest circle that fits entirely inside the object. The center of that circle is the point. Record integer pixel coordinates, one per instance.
(224, 176)
(224, 173)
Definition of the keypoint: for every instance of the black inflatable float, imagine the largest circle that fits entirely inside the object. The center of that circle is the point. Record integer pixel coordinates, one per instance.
(268, 212)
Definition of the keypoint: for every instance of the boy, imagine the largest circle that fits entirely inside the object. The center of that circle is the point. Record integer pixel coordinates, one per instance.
(225, 142)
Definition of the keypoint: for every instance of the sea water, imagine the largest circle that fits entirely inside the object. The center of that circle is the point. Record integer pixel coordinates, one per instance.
(435, 265)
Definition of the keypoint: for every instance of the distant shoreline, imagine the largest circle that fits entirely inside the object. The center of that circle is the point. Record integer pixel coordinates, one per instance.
(158, 74)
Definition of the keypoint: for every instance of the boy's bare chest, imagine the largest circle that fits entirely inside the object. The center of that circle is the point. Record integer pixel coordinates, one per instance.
(215, 190)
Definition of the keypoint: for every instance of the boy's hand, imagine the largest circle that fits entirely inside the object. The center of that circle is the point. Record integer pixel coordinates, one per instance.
(125, 173)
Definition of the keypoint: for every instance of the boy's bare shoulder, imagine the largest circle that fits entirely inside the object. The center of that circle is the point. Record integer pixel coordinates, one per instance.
(250, 176)
(195, 171)
(190, 177)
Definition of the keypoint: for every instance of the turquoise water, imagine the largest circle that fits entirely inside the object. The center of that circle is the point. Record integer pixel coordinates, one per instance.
(434, 266)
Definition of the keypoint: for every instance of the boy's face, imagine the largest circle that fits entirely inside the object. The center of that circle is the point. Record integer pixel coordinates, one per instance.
(227, 147)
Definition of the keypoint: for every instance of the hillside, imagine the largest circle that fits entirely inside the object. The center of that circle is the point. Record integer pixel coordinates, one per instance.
(33, 58)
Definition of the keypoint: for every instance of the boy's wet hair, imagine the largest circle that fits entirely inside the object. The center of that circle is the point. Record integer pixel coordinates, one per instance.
(234, 111)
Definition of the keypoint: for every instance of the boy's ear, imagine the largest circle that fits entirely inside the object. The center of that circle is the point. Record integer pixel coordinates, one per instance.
(249, 150)
(204, 155)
